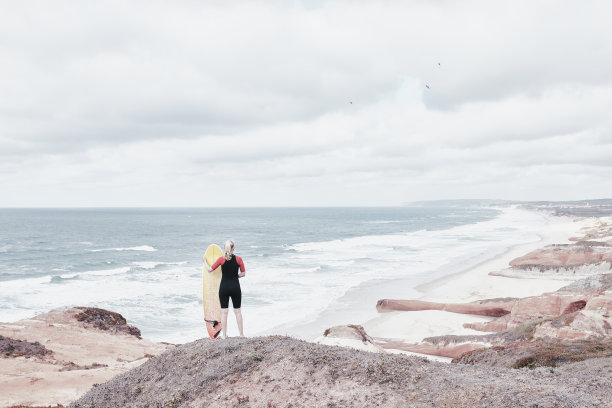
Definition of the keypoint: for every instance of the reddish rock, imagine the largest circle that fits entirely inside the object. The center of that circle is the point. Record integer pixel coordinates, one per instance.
(579, 325)
(489, 307)
(18, 348)
(105, 320)
(565, 255)
(545, 306)
(580, 310)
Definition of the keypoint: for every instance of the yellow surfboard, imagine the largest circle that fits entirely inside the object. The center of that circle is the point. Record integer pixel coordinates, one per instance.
(210, 292)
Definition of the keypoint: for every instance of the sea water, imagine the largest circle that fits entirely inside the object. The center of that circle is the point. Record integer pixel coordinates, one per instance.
(307, 268)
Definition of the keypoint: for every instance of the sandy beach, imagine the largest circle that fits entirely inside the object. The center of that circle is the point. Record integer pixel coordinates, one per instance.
(471, 285)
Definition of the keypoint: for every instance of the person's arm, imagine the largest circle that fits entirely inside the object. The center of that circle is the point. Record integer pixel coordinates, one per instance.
(242, 268)
(217, 264)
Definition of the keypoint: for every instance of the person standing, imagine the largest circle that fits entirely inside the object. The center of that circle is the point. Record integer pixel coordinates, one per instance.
(232, 268)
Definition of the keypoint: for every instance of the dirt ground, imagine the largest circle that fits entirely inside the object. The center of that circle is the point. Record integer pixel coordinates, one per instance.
(284, 372)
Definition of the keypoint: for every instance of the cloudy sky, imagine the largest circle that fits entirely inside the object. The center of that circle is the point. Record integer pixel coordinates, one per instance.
(274, 103)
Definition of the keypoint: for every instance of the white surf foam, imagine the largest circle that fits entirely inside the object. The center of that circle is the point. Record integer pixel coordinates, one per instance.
(146, 248)
(311, 276)
(153, 264)
(107, 272)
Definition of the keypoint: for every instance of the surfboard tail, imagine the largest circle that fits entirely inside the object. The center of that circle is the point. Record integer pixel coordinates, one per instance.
(213, 327)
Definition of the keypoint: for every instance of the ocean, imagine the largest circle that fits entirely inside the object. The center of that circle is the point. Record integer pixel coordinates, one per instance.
(307, 268)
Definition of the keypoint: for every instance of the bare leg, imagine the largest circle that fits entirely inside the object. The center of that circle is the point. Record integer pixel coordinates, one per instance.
(238, 314)
(224, 323)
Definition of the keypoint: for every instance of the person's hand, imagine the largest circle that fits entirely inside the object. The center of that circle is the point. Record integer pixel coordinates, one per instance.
(206, 265)
(241, 274)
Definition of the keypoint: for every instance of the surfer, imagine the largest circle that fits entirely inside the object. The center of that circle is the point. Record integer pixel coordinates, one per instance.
(230, 286)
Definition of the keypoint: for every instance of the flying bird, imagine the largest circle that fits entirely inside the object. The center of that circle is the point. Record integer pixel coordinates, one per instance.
(426, 85)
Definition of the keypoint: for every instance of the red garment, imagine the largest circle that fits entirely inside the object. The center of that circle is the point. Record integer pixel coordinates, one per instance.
(221, 261)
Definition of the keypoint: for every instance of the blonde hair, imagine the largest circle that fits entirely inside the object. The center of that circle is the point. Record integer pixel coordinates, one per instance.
(228, 249)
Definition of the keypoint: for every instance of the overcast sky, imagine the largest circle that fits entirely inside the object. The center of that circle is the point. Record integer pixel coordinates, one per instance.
(274, 103)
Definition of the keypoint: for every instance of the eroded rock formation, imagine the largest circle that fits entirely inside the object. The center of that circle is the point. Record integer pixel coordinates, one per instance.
(588, 255)
(578, 311)
(564, 261)
(22, 348)
(488, 307)
(105, 320)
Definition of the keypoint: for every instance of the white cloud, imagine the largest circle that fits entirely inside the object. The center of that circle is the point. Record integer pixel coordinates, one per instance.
(278, 103)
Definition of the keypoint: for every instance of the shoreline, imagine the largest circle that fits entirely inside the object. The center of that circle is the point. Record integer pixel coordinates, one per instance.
(358, 304)
(557, 230)
(471, 284)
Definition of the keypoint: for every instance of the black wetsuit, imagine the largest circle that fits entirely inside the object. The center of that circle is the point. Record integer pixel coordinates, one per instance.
(230, 286)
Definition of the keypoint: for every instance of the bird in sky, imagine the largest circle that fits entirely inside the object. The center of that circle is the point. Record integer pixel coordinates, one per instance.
(427, 86)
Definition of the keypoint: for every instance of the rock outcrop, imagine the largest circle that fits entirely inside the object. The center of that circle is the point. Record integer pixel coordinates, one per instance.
(22, 348)
(105, 320)
(488, 307)
(600, 231)
(578, 311)
(565, 255)
(351, 335)
(588, 255)
(57, 356)
(562, 261)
